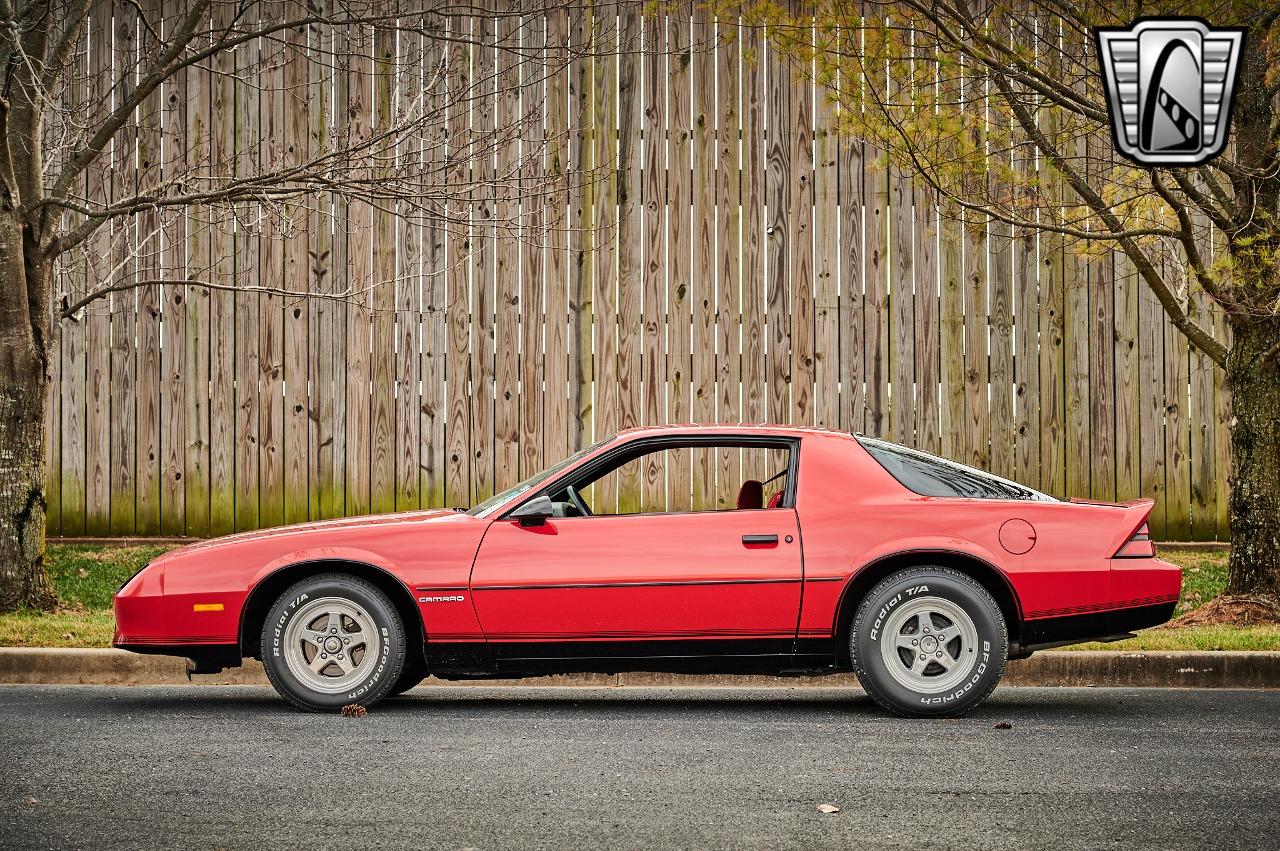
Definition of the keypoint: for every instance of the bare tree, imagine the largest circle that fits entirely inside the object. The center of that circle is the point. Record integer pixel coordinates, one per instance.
(994, 106)
(73, 107)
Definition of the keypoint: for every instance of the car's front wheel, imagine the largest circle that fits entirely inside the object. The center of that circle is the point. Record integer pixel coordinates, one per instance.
(332, 640)
(928, 641)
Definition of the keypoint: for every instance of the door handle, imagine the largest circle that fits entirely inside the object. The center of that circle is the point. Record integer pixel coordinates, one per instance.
(758, 540)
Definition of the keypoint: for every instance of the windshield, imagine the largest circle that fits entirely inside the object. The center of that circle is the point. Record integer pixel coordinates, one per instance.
(929, 475)
(533, 481)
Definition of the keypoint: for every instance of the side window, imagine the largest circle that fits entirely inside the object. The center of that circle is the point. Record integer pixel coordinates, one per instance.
(686, 478)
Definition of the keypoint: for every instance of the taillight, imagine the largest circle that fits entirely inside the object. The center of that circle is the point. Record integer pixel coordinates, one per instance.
(1139, 546)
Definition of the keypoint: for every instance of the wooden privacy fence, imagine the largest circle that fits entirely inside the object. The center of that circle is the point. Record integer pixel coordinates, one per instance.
(739, 263)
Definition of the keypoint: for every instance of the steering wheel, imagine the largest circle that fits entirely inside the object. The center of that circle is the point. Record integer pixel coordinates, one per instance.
(577, 500)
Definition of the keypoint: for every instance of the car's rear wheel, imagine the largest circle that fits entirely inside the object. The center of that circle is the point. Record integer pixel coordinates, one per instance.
(332, 640)
(928, 641)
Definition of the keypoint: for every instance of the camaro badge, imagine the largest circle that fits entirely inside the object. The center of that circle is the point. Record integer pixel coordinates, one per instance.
(1169, 84)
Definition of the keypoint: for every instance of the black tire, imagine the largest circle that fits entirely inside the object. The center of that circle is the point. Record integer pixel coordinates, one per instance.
(979, 648)
(414, 673)
(368, 683)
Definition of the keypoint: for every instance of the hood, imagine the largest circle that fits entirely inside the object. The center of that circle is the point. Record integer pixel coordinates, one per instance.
(303, 530)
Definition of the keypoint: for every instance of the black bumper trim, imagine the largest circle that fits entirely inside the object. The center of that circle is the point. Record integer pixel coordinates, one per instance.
(1094, 626)
(205, 658)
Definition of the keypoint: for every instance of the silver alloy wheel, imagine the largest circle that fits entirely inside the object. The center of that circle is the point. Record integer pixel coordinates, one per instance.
(331, 644)
(929, 645)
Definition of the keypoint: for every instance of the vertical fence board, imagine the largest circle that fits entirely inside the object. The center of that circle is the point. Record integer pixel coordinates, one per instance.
(223, 412)
(777, 183)
(326, 277)
(124, 410)
(410, 331)
(1129, 446)
(826, 266)
(976, 343)
(1204, 470)
(852, 372)
(201, 222)
(582, 237)
(654, 188)
(457, 248)
(679, 204)
(271, 274)
(180, 364)
(1151, 402)
(928, 364)
(432, 145)
(754, 395)
(295, 147)
(800, 243)
(556, 398)
(875, 324)
(629, 242)
(951, 300)
(356, 231)
(1222, 427)
(604, 299)
(483, 262)
(534, 317)
(1177, 451)
(729, 272)
(902, 320)
(96, 317)
(508, 277)
(703, 280)
(1102, 402)
(149, 317)
(66, 471)
(382, 363)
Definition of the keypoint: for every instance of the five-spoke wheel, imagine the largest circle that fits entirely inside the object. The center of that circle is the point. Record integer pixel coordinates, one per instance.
(933, 644)
(331, 643)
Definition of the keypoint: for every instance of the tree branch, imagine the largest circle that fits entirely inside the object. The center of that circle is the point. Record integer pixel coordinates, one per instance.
(1177, 314)
(119, 116)
(1186, 235)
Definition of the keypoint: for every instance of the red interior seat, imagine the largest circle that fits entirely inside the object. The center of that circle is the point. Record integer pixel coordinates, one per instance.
(751, 495)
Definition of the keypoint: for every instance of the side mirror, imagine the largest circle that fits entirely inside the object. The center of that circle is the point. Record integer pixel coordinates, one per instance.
(535, 512)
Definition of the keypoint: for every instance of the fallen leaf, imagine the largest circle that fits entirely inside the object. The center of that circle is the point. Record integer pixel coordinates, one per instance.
(1003, 725)
(354, 710)
(828, 808)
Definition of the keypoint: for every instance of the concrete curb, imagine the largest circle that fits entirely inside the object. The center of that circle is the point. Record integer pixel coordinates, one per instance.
(58, 666)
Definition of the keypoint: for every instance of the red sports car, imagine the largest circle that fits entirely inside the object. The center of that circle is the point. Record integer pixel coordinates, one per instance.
(751, 549)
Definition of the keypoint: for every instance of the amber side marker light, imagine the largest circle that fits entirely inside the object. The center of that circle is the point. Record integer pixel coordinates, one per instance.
(1139, 546)
(208, 607)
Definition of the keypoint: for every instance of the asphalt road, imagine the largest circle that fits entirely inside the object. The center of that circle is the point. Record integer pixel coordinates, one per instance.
(221, 767)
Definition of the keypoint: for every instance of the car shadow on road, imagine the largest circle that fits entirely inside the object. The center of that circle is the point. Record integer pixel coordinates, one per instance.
(649, 702)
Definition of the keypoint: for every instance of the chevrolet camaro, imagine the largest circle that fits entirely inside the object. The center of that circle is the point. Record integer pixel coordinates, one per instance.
(814, 552)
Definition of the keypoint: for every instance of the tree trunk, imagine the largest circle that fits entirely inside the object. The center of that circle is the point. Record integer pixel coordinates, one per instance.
(1253, 377)
(24, 393)
(23, 581)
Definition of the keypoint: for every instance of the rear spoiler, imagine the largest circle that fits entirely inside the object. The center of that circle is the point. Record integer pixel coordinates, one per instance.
(1136, 512)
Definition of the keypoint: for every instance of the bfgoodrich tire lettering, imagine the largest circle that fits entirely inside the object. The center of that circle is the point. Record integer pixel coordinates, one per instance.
(928, 641)
(331, 640)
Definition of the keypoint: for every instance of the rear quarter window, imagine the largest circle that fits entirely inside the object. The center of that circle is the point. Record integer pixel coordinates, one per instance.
(929, 475)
